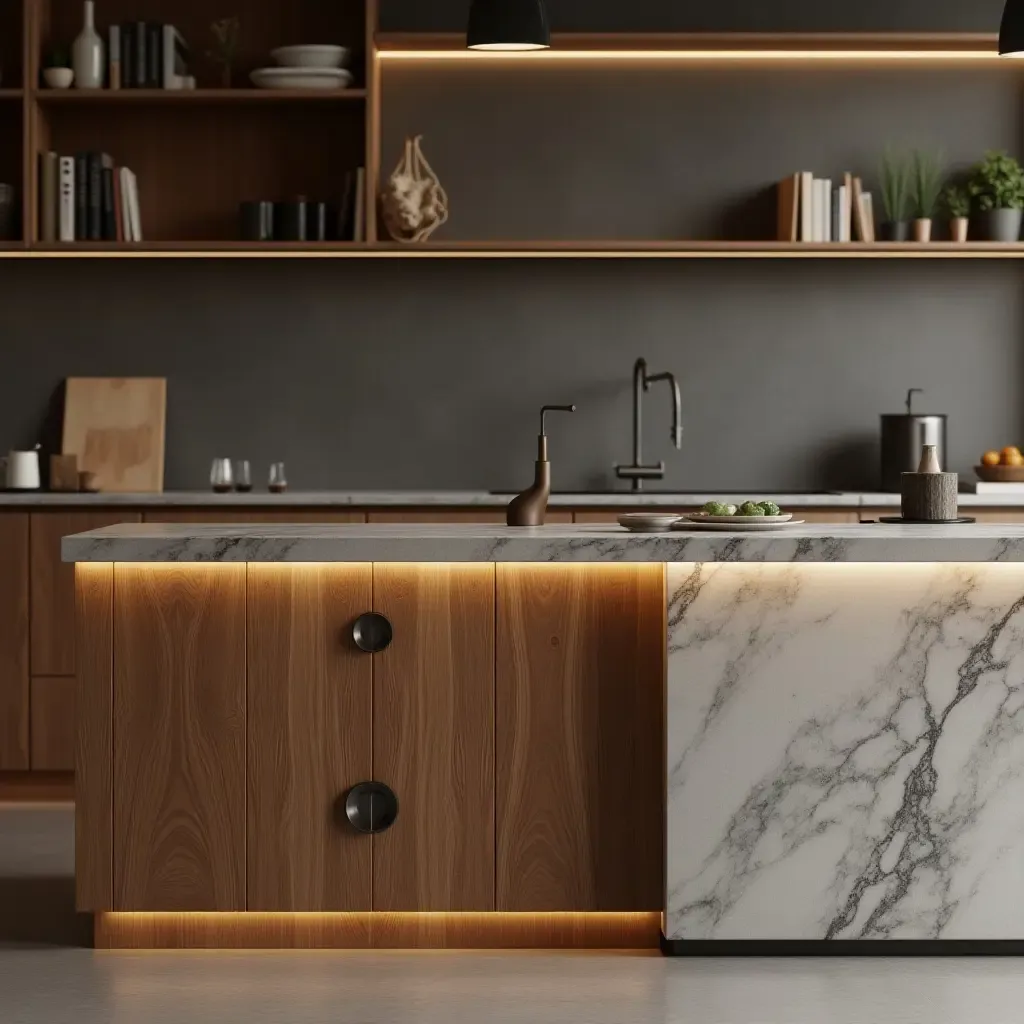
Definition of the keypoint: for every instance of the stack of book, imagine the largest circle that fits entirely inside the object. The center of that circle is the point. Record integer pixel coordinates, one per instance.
(811, 210)
(86, 198)
(147, 55)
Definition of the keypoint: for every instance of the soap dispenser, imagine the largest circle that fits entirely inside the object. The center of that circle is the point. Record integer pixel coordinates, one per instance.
(529, 508)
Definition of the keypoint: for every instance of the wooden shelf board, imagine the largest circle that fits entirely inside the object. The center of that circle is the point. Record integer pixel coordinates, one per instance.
(11, 94)
(523, 250)
(711, 46)
(202, 96)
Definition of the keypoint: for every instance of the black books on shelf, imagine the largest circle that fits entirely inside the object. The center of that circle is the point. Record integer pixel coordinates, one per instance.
(147, 55)
(86, 198)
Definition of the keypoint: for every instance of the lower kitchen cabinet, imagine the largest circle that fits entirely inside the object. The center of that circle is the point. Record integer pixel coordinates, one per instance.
(179, 721)
(433, 737)
(53, 723)
(14, 642)
(579, 712)
(53, 587)
(309, 737)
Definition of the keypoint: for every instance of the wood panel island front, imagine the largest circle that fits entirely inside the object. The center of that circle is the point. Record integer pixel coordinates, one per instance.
(470, 736)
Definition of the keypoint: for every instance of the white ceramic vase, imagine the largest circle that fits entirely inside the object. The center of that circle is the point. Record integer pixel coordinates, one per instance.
(87, 52)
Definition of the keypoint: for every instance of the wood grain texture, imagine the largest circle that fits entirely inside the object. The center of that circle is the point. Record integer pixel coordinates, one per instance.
(37, 787)
(14, 642)
(377, 931)
(53, 723)
(179, 722)
(94, 807)
(433, 737)
(579, 712)
(53, 586)
(309, 737)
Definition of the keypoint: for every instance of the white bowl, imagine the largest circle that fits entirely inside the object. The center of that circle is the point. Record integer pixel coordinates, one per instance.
(311, 56)
(58, 78)
(301, 78)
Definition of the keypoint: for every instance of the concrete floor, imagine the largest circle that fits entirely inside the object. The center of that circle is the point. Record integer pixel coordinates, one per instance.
(44, 979)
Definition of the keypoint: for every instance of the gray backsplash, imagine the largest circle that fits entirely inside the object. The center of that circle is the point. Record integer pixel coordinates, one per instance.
(394, 374)
(429, 374)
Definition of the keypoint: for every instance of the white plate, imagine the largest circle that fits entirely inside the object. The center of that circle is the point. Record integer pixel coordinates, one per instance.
(301, 78)
(646, 522)
(740, 524)
(701, 517)
(311, 56)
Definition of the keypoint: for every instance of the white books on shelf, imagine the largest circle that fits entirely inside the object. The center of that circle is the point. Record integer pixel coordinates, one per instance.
(134, 210)
(66, 201)
(806, 206)
(175, 59)
(841, 218)
(826, 204)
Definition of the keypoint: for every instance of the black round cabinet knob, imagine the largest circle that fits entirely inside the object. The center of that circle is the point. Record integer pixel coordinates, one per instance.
(371, 807)
(372, 633)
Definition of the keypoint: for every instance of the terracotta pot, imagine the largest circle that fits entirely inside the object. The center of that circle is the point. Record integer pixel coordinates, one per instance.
(923, 229)
(958, 229)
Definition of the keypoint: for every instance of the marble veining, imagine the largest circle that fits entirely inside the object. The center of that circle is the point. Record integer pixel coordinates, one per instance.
(156, 542)
(845, 752)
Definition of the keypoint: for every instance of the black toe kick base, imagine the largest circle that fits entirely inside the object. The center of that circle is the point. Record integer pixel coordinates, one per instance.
(841, 947)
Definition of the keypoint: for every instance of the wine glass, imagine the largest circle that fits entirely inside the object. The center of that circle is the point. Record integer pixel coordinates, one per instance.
(278, 481)
(243, 476)
(221, 479)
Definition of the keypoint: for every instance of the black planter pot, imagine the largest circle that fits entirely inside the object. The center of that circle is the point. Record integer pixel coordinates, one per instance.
(998, 225)
(895, 231)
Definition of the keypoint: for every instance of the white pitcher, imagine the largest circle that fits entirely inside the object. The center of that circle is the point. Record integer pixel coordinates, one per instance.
(22, 470)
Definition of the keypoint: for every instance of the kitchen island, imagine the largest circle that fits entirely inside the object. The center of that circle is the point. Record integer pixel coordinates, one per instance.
(836, 757)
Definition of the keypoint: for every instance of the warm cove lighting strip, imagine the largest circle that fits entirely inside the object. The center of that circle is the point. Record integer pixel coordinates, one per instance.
(555, 56)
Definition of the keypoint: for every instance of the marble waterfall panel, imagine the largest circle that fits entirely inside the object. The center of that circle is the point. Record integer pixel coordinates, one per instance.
(845, 751)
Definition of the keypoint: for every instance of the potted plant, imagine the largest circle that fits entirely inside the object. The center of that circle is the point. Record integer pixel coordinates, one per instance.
(57, 73)
(895, 173)
(957, 201)
(997, 185)
(925, 186)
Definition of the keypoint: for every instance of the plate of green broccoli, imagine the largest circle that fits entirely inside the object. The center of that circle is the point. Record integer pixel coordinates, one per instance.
(750, 513)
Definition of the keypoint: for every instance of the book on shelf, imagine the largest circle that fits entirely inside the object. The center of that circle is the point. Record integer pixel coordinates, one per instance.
(49, 173)
(114, 57)
(147, 55)
(86, 198)
(359, 206)
(352, 210)
(810, 209)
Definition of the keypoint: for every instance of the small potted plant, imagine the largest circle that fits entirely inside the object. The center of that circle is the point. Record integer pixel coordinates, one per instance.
(925, 186)
(997, 185)
(957, 201)
(57, 73)
(895, 174)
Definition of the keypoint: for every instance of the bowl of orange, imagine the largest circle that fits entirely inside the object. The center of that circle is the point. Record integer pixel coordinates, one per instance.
(1002, 467)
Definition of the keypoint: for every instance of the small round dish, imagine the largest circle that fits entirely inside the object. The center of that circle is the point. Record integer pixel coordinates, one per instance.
(648, 522)
(301, 78)
(900, 521)
(311, 55)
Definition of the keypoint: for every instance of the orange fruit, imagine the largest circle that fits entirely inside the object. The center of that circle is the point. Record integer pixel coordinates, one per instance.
(1010, 451)
(1015, 459)
(990, 458)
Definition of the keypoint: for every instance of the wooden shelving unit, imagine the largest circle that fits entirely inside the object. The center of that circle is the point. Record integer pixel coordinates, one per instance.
(199, 154)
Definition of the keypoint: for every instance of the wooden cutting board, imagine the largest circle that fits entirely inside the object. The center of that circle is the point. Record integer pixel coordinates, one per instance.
(116, 427)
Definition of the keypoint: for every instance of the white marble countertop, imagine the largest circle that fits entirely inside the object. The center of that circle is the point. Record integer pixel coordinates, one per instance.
(154, 542)
(471, 499)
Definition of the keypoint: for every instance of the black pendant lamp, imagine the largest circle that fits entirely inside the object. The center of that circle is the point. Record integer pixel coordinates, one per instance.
(508, 25)
(1011, 32)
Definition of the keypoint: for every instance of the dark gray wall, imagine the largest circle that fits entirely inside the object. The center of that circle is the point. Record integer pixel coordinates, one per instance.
(428, 374)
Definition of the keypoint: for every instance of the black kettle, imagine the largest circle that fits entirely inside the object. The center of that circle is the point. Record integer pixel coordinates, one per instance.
(904, 435)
